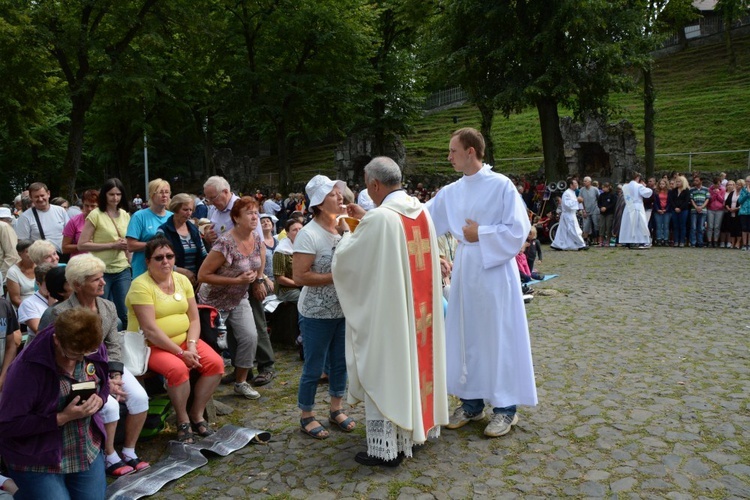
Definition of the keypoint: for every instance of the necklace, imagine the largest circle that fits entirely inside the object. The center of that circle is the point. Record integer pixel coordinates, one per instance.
(170, 286)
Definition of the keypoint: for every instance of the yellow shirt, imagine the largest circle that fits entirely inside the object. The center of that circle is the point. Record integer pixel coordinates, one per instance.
(106, 231)
(171, 310)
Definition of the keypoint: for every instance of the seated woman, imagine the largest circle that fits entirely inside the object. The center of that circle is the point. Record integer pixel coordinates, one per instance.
(285, 287)
(32, 308)
(20, 278)
(42, 251)
(161, 302)
(185, 237)
(85, 275)
(52, 444)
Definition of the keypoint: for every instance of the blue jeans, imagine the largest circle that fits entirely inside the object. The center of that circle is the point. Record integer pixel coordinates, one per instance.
(115, 289)
(697, 227)
(680, 223)
(321, 338)
(476, 406)
(662, 226)
(86, 485)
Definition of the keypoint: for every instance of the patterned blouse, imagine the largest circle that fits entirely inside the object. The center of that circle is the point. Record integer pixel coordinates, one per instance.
(227, 297)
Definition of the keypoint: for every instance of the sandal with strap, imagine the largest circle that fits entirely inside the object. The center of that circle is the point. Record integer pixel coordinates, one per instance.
(119, 469)
(136, 463)
(344, 424)
(318, 432)
(202, 428)
(184, 434)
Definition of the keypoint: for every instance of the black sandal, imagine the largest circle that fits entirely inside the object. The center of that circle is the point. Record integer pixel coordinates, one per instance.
(202, 428)
(184, 434)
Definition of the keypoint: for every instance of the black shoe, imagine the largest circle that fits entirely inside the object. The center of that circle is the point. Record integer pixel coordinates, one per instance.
(363, 458)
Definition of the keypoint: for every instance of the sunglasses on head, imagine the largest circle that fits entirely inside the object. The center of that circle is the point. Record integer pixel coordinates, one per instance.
(168, 256)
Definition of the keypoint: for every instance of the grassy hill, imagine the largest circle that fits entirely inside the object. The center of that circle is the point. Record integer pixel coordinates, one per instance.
(701, 106)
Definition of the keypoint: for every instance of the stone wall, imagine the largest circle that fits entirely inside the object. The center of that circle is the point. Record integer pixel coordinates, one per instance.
(356, 151)
(599, 149)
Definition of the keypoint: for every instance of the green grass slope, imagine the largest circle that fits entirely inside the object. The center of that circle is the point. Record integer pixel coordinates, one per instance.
(701, 107)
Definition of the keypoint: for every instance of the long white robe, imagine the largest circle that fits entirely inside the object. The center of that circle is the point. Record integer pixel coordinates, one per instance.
(569, 236)
(487, 335)
(372, 277)
(634, 225)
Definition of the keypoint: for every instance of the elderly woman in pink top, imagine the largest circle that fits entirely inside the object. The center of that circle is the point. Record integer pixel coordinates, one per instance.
(716, 195)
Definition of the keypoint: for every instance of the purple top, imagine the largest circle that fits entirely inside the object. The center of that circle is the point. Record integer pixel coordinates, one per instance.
(227, 297)
(29, 434)
(73, 230)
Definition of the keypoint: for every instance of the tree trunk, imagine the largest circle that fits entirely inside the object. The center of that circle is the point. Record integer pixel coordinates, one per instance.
(284, 169)
(488, 113)
(649, 115)
(731, 55)
(555, 167)
(72, 163)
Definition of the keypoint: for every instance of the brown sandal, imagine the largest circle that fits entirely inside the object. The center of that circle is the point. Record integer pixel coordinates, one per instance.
(184, 434)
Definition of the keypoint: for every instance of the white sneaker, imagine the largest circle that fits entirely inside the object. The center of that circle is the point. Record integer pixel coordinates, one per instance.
(244, 389)
(500, 425)
(461, 418)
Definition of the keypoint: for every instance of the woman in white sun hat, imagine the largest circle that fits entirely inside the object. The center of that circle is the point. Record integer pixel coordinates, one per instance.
(321, 317)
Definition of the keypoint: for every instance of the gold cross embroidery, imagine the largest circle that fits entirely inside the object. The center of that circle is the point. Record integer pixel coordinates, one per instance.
(426, 386)
(418, 247)
(424, 321)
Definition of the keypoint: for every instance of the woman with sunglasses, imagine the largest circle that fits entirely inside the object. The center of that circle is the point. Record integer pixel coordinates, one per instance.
(50, 439)
(161, 303)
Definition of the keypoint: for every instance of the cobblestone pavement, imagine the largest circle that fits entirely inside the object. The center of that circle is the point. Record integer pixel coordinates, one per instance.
(642, 367)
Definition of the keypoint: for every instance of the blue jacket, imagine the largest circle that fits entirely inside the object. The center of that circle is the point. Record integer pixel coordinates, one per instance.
(29, 434)
(174, 238)
(744, 202)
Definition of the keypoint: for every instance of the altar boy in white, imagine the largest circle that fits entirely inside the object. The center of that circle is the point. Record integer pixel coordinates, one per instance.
(487, 335)
(387, 278)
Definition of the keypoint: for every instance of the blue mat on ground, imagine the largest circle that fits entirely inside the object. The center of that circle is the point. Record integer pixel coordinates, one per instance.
(183, 458)
(546, 278)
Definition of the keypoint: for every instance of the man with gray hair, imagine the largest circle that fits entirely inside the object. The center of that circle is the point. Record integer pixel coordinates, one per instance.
(589, 196)
(394, 318)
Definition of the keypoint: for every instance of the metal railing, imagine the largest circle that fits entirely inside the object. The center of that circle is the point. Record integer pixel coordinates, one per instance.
(445, 97)
(691, 154)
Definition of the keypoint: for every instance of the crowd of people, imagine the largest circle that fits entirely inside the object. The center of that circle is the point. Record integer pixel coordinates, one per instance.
(423, 281)
(668, 212)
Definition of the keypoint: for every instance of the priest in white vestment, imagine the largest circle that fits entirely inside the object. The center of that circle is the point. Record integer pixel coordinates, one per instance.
(634, 224)
(387, 277)
(487, 335)
(569, 235)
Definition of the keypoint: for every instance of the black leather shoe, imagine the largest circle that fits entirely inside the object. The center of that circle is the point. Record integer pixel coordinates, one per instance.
(363, 458)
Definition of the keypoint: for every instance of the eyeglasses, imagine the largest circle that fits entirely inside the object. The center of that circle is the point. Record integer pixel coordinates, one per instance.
(164, 192)
(212, 198)
(76, 356)
(160, 258)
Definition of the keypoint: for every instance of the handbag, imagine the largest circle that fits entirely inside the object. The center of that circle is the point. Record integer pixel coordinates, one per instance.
(135, 352)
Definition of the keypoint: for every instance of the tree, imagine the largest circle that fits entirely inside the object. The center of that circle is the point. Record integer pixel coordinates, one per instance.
(306, 64)
(543, 54)
(396, 95)
(32, 107)
(731, 11)
(654, 20)
(86, 40)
